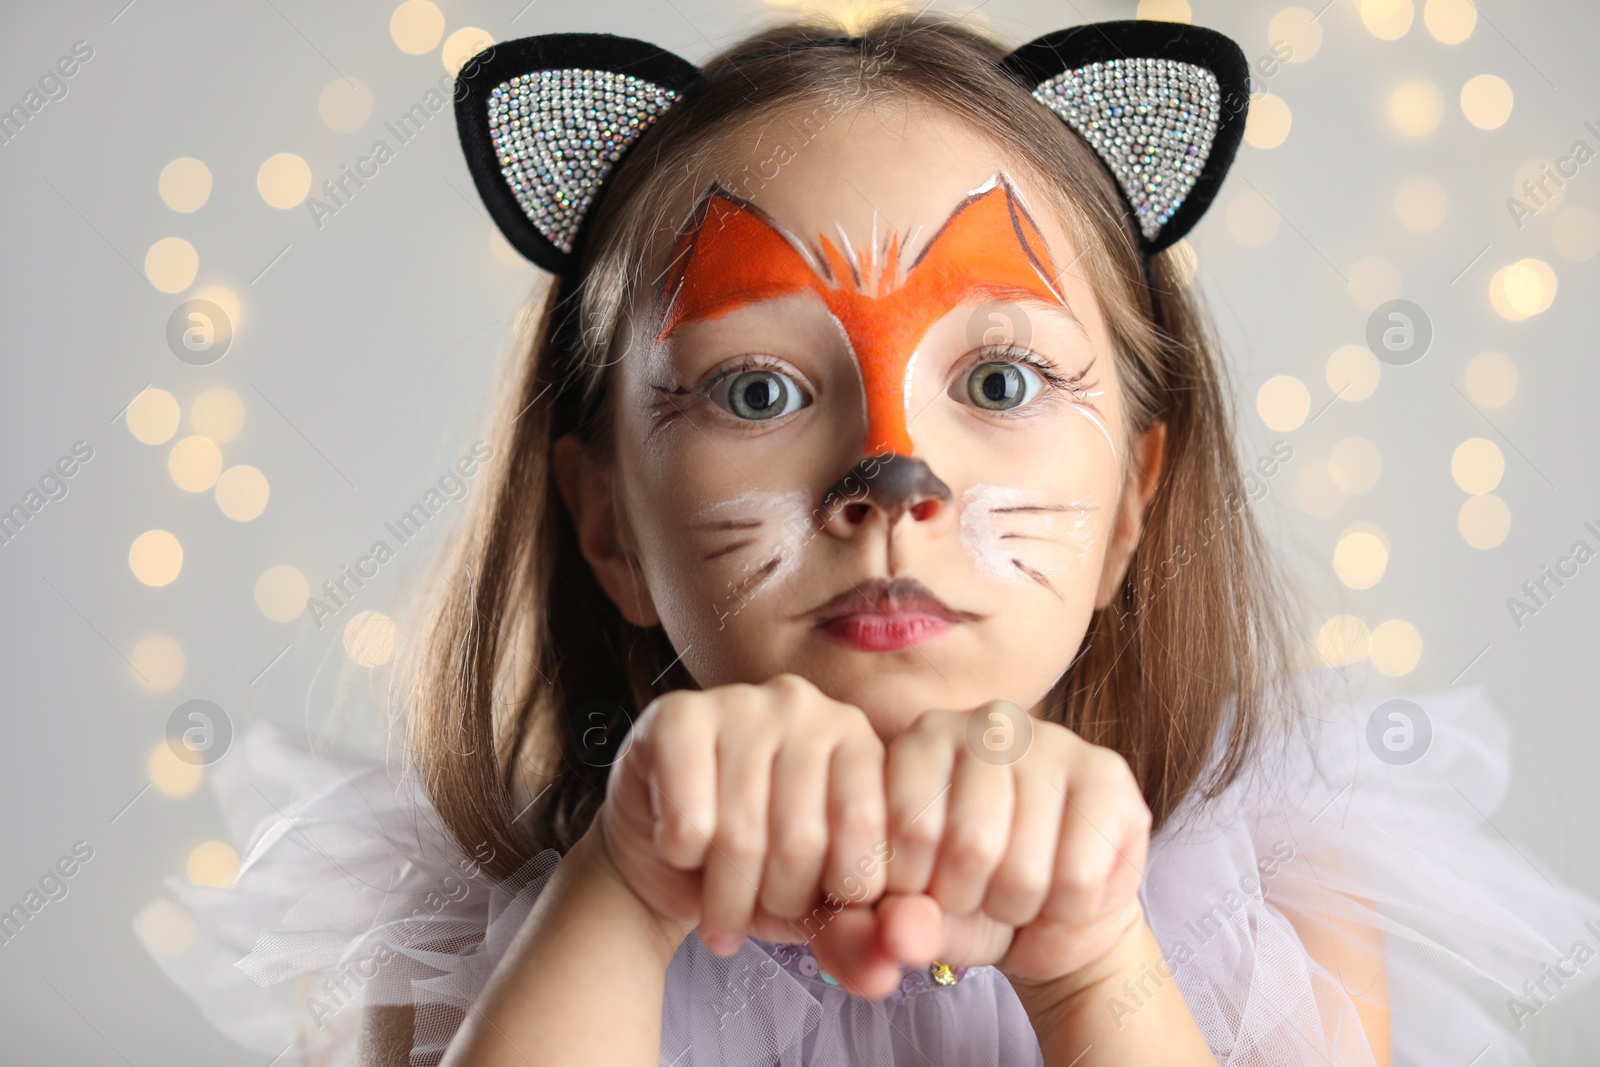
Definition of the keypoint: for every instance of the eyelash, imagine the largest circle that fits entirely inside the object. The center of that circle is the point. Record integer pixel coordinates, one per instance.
(746, 363)
(1055, 381)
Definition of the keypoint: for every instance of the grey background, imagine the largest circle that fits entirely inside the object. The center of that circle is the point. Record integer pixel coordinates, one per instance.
(366, 350)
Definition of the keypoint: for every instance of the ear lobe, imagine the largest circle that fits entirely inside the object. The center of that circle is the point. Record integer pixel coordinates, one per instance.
(1144, 475)
(588, 490)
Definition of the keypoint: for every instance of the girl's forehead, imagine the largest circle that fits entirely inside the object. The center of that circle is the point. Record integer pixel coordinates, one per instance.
(860, 174)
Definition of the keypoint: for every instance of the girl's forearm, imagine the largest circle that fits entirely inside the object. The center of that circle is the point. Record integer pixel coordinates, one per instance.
(1125, 1009)
(583, 981)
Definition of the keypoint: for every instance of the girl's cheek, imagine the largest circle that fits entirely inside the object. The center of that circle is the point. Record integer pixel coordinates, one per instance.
(1027, 535)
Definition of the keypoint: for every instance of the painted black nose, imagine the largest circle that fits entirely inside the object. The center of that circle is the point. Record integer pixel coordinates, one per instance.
(894, 485)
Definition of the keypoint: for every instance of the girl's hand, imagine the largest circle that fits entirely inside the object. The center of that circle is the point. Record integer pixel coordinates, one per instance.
(1033, 855)
(736, 808)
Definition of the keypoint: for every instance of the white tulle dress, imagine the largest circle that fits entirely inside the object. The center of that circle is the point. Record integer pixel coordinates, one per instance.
(354, 895)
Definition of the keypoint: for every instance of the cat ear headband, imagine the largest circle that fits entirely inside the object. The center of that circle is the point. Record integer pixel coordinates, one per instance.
(544, 121)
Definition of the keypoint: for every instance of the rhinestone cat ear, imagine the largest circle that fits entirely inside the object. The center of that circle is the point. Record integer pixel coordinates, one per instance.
(1162, 103)
(544, 121)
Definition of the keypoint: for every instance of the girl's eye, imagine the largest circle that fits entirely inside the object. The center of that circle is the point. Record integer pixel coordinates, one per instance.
(1003, 386)
(761, 394)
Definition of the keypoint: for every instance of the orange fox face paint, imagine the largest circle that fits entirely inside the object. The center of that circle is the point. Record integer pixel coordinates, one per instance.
(733, 254)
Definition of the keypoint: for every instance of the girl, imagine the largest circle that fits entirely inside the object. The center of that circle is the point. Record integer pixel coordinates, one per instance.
(864, 611)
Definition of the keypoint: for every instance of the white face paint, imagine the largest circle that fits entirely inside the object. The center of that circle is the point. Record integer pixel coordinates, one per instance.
(1010, 532)
(762, 532)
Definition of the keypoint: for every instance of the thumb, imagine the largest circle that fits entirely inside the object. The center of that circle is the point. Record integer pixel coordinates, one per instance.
(916, 931)
(975, 940)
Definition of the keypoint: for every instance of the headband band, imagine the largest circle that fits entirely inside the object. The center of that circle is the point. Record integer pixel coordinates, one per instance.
(545, 121)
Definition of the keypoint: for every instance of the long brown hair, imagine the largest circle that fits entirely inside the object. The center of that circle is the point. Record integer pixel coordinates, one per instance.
(527, 669)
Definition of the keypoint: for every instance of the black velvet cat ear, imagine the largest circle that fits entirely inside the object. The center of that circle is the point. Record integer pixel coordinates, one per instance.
(1162, 103)
(544, 121)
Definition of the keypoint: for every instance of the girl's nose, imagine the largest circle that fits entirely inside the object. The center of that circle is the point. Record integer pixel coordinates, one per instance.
(894, 486)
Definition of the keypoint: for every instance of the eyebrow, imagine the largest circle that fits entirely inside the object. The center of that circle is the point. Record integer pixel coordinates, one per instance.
(1027, 298)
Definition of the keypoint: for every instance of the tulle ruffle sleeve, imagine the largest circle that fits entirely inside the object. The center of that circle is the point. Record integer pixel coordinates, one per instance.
(350, 895)
(1370, 824)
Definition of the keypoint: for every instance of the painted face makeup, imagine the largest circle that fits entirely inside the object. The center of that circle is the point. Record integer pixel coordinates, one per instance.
(733, 255)
(834, 463)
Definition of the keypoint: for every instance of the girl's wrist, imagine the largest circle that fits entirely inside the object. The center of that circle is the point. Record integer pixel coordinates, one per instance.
(599, 875)
(1052, 1003)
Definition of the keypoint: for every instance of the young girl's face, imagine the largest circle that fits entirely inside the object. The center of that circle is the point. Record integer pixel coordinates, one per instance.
(871, 368)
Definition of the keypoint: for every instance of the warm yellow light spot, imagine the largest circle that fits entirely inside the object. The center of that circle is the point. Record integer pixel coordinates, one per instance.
(1353, 372)
(1267, 123)
(242, 492)
(284, 180)
(171, 264)
(153, 416)
(1538, 185)
(1355, 464)
(1343, 640)
(217, 413)
(1251, 219)
(213, 863)
(281, 593)
(1373, 281)
(504, 252)
(223, 297)
(369, 638)
(1164, 10)
(185, 184)
(1450, 21)
(166, 928)
(1184, 262)
(1416, 108)
(1477, 465)
(1387, 20)
(158, 661)
(1316, 491)
(171, 775)
(1491, 379)
(1576, 232)
(1499, 301)
(1360, 558)
(1395, 647)
(1299, 29)
(1421, 202)
(194, 463)
(345, 104)
(1526, 287)
(1486, 101)
(462, 45)
(1484, 521)
(416, 26)
(1283, 402)
(155, 557)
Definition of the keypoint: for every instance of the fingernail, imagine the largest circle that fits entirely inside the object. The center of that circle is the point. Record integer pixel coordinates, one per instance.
(723, 944)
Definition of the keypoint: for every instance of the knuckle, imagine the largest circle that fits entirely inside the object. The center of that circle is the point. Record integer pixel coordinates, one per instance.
(790, 685)
(968, 850)
(798, 844)
(920, 835)
(1077, 876)
(741, 839)
(1027, 880)
(859, 816)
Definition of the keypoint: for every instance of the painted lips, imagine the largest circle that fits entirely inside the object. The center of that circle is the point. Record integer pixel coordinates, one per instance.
(872, 632)
(882, 615)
